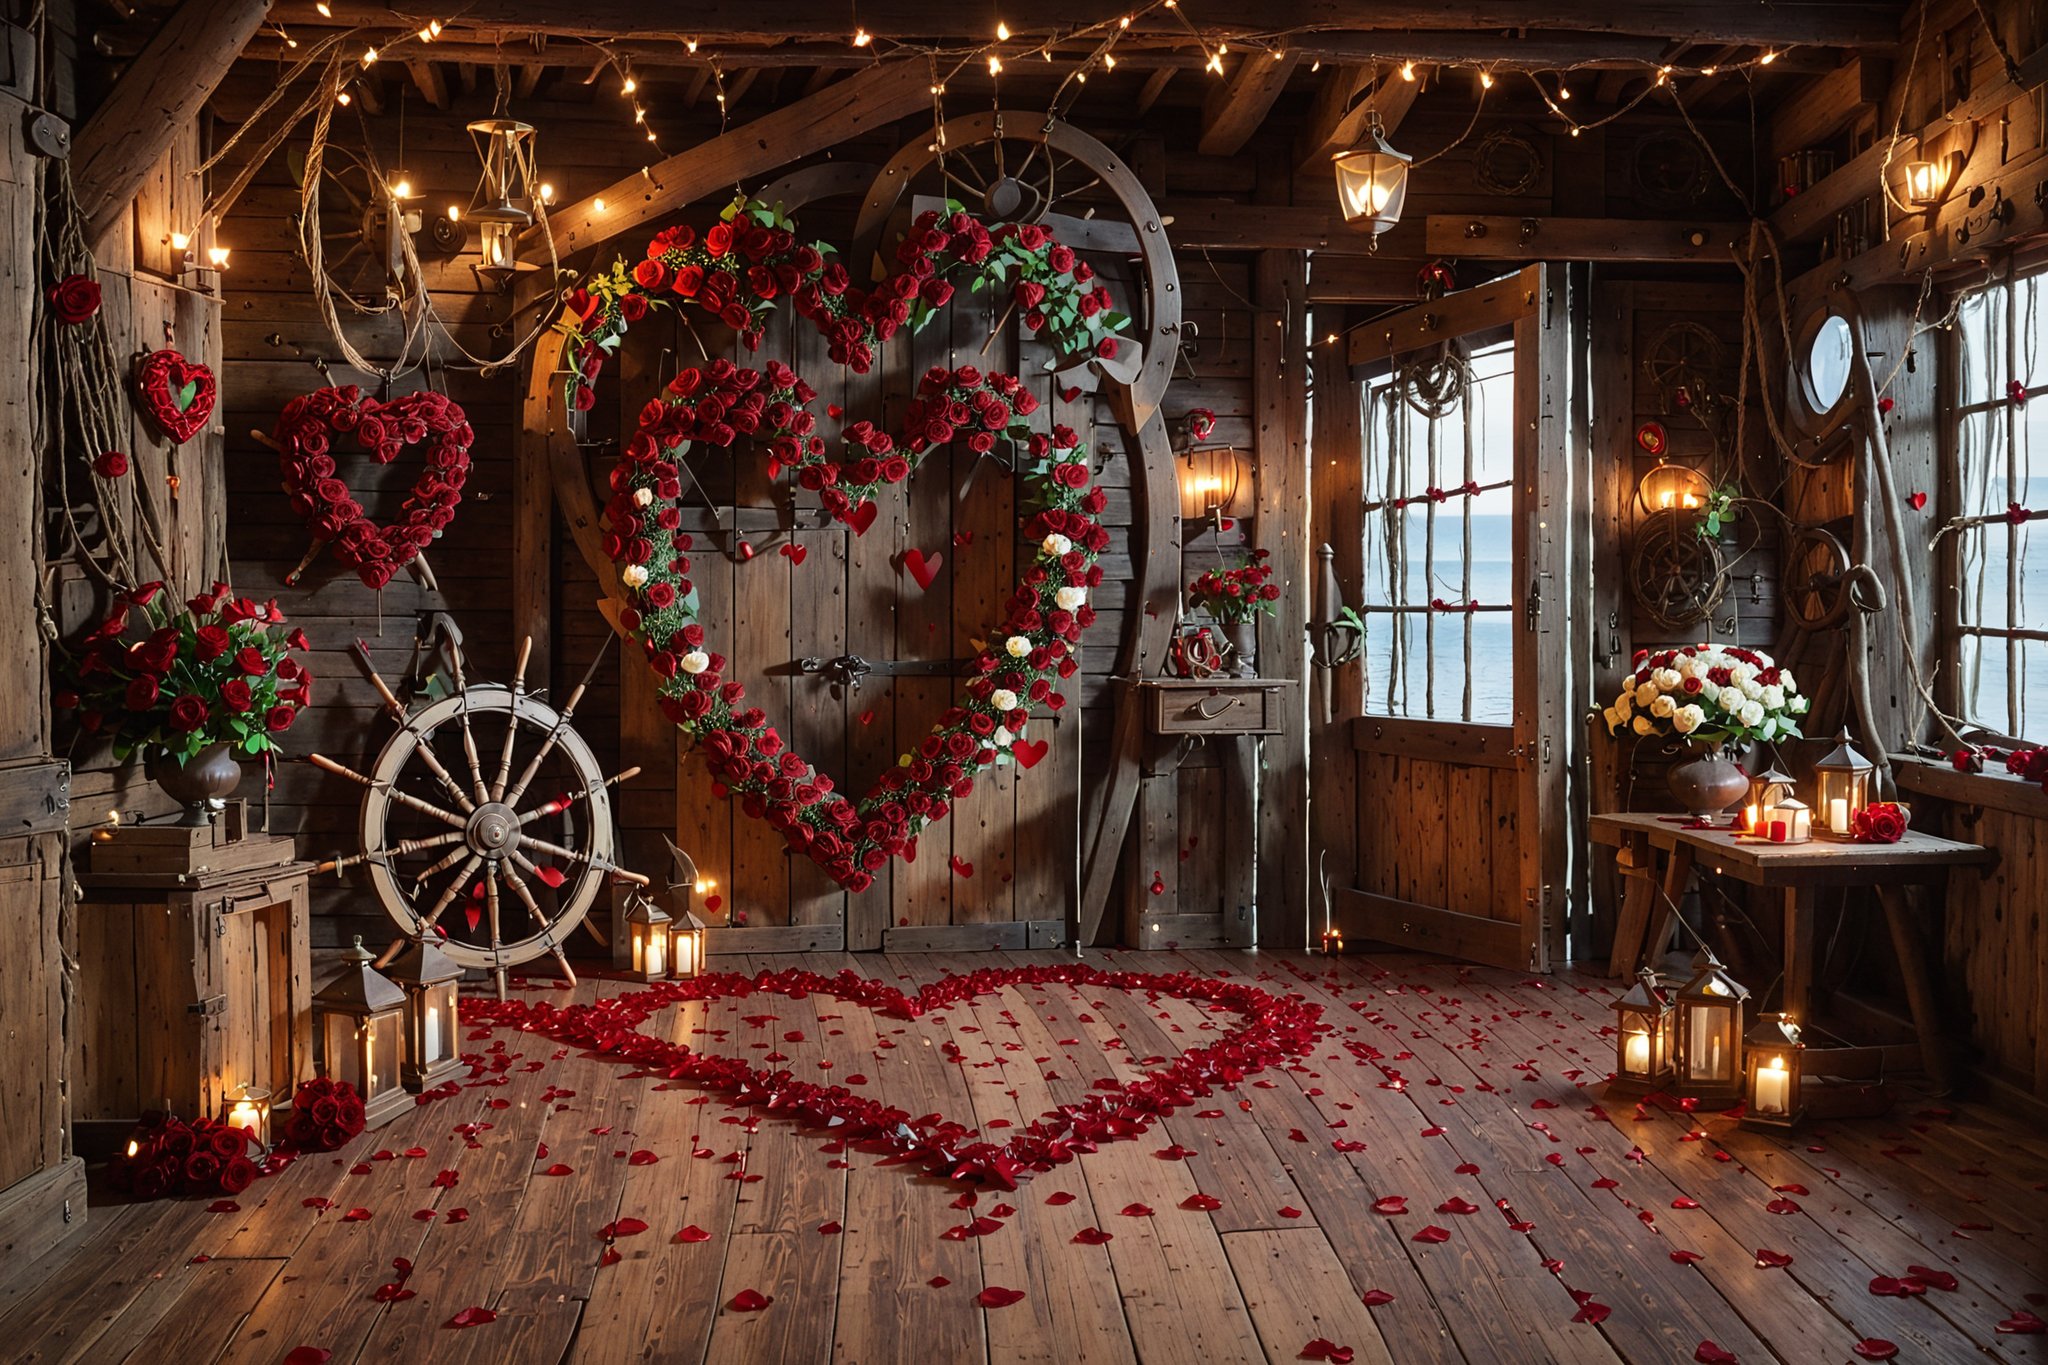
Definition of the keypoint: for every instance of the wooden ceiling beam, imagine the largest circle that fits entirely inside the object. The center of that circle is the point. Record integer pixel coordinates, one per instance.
(1154, 87)
(1340, 116)
(1479, 237)
(1825, 23)
(1816, 112)
(880, 95)
(1234, 108)
(433, 86)
(162, 91)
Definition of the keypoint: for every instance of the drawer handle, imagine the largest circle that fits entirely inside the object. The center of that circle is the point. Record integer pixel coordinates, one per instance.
(1202, 707)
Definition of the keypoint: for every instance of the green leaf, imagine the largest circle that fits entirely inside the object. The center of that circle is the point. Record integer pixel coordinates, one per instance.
(185, 394)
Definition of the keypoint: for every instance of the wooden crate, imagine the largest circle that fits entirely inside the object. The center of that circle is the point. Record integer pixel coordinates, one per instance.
(189, 984)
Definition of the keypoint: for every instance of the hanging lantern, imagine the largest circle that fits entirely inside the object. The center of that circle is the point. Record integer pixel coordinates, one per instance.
(359, 1018)
(1926, 182)
(1709, 1028)
(1209, 479)
(1775, 1055)
(1766, 790)
(249, 1110)
(649, 925)
(1844, 781)
(504, 202)
(1372, 181)
(1642, 1048)
(428, 977)
(1671, 487)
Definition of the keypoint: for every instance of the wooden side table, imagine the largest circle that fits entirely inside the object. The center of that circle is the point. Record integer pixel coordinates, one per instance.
(1795, 871)
(194, 976)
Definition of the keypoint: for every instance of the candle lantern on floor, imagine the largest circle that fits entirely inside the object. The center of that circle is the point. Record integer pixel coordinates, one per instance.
(249, 1110)
(686, 947)
(1844, 779)
(1642, 1055)
(1775, 1055)
(1709, 1029)
(428, 977)
(687, 941)
(649, 926)
(1766, 790)
(1333, 941)
(359, 1018)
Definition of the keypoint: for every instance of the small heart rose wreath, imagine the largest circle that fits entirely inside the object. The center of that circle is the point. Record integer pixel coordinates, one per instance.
(305, 438)
(176, 394)
(737, 271)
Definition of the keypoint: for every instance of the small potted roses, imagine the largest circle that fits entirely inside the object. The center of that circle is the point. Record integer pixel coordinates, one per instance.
(193, 689)
(1238, 597)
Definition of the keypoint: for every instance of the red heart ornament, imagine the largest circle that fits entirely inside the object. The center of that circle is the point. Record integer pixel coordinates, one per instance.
(1029, 751)
(308, 436)
(1919, 501)
(1270, 1030)
(795, 554)
(922, 567)
(862, 517)
(176, 394)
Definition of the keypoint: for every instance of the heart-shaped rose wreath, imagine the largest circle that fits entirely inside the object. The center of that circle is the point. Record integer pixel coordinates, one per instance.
(1272, 1031)
(736, 272)
(304, 438)
(177, 394)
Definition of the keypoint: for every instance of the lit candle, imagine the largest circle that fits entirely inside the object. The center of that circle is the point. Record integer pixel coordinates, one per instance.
(1714, 1065)
(1636, 1057)
(686, 956)
(654, 955)
(1838, 815)
(433, 1033)
(1802, 826)
(1773, 1087)
(1751, 815)
(1779, 833)
(370, 1051)
(246, 1117)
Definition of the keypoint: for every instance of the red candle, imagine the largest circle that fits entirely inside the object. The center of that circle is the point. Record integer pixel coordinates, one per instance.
(1779, 833)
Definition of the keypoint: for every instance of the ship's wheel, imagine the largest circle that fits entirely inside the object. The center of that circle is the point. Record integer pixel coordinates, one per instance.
(486, 822)
(1676, 574)
(1822, 582)
(358, 225)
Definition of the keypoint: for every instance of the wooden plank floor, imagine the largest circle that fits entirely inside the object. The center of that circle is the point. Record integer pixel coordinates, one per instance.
(1439, 1181)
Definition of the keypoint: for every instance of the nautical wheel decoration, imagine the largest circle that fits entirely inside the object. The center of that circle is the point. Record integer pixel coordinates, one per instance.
(1822, 582)
(1508, 163)
(486, 821)
(1676, 574)
(1667, 170)
(353, 228)
(1685, 362)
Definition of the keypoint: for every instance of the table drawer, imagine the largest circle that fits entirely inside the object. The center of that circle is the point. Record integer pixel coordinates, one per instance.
(1218, 707)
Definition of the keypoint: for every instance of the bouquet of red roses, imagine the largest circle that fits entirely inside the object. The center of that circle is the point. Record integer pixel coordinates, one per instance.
(325, 1115)
(1237, 594)
(219, 671)
(167, 1155)
(1881, 822)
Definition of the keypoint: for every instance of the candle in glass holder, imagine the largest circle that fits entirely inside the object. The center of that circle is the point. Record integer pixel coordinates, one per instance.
(655, 960)
(1773, 1087)
(1637, 1057)
(1751, 816)
(1838, 815)
(433, 1033)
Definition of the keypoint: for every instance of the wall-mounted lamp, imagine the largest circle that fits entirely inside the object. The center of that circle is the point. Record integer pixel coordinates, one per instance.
(1210, 481)
(1673, 487)
(1928, 182)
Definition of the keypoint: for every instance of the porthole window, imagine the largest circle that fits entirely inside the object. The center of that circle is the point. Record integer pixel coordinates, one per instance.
(1825, 372)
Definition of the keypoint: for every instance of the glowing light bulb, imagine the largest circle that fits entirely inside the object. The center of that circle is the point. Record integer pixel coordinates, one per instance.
(1486, 80)
(1002, 32)
(179, 241)
(1108, 61)
(1124, 22)
(629, 87)
(995, 65)
(639, 114)
(369, 55)
(455, 213)
(325, 11)
(342, 98)
(218, 255)
(861, 37)
(690, 43)
(1768, 58)
(1564, 92)
(1707, 70)
(547, 193)
(599, 203)
(1407, 71)
(1215, 63)
(402, 190)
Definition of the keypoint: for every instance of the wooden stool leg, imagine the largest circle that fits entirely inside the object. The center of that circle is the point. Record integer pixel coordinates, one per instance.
(1639, 872)
(1797, 997)
(1664, 914)
(1919, 984)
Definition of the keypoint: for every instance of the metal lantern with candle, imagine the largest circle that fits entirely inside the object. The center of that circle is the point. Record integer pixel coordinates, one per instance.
(1767, 790)
(1673, 487)
(505, 198)
(687, 940)
(1333, 941)
(1372, 181)
(1642, 1049)
(249, 1110)
(359, 1019)
(648, 925)
(429, 978)
(1790, 822)
(1843, 778)
(1209, 483)
(1775, 1053)
(1709, 1028)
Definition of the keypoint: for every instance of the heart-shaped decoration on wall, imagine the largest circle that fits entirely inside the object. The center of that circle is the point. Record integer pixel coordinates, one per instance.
(176, 394)
(736, 271)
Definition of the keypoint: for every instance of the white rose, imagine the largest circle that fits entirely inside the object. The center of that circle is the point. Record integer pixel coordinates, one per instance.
(1752, 689)
(1667, 679)
(1785, 681)
(1742, 672)
(1017, 646)
(1002, 737)
(1663, 707)
(1773, 698)
(1643, 726)
(642, 496)
(1070, 599)
(1688, 666)
(1710, 690)
(696, 661)
(635, 575)
(1003, 699)
(1687, 719)
(1646, 694)
(1798, 706)
(1056, 544)
(1752, 713)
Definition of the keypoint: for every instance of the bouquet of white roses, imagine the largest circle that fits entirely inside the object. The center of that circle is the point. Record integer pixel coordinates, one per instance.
(1709, 693)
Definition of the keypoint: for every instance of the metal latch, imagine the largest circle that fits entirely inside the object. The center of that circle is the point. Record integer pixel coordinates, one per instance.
(208, 1008)
(848, 669)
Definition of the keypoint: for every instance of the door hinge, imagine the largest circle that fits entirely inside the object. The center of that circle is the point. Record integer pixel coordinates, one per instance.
(1535, 602)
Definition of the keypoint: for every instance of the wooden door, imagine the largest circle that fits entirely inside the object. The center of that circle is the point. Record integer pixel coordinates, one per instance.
(1460, 742)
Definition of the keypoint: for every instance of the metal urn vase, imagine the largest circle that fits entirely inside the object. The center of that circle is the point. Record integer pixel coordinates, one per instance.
(1707, 781)
(201, 783)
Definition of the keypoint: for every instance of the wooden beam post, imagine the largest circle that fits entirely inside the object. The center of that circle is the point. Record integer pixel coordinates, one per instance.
(1336, 477)
(866, 100)
(1233, 111)
(161, 92)
(433, 86)
(1581, 239)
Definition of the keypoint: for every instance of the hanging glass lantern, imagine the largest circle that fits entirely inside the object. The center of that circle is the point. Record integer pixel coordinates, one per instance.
(649, 925)
(1372, 181)
(359, 1018)
(1766, 790)
(428, 977)
(1775, 1056)
(1642, 1046)
(1844, 780)
(1709, 1027)
(504, 203)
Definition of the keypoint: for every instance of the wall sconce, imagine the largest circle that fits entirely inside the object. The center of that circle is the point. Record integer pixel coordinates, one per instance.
(1927, 182)
(1670, 487)
(1372, 181)
(217, 257)
(1210, 477)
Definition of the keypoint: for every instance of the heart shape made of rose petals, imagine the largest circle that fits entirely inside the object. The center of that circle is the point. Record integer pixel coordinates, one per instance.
(176, 394)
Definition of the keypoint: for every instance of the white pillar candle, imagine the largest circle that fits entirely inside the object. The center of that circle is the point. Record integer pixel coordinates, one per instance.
(1838, 815)
(654, 955)
(246, 1116)
(1636, 1057)
(1773, 1086)
(433, 1034)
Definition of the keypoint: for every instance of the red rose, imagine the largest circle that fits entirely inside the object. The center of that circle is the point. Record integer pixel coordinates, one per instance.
(280, 718)
(633, 307)
(213, 642)
(234, 694)
(237, 1175)
(251, 661)
(111, 465)
(142, 693)
(650, 274)
(74, 299)
(188, 713)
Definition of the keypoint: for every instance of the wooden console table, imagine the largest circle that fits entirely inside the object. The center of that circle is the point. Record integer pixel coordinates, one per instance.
(1796, 871)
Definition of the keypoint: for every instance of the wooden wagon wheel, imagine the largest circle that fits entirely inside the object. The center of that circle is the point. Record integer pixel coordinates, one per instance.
(1676, 574)
(1821, 583)
(361, 253)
